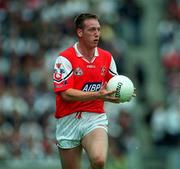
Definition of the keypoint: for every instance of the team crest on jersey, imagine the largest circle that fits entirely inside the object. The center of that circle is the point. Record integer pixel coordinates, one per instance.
(103, 70)
(78, 71)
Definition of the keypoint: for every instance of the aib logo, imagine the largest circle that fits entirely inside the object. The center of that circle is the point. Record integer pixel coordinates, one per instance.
(92, 87)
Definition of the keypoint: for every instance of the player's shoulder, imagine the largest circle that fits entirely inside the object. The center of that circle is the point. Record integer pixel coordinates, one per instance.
(104, 52)
(68, 52)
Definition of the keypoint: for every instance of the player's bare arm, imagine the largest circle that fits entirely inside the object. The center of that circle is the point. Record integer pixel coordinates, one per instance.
(78, 95)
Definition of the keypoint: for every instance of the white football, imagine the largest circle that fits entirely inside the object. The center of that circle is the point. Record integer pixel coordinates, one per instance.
(123, 85)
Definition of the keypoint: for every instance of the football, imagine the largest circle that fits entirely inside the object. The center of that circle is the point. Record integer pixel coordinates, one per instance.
(123, 85)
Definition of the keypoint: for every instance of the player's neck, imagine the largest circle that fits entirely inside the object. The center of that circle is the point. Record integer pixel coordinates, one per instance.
(87, 53)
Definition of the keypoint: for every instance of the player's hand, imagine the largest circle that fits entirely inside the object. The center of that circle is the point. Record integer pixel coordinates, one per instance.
(112, 99)
(108, 95)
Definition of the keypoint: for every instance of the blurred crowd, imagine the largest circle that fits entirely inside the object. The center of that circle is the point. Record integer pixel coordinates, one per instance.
(166, 114)
(32, 32)
(164, 117)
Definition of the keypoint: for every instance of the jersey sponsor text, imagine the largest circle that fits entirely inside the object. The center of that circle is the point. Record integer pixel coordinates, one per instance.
(95, 86)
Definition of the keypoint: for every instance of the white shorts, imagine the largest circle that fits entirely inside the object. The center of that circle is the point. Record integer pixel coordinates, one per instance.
(72, 128)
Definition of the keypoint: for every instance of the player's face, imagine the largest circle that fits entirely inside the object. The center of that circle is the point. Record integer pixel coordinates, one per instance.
(90, 33)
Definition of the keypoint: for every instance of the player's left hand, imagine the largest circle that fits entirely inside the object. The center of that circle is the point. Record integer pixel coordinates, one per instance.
(108, 95)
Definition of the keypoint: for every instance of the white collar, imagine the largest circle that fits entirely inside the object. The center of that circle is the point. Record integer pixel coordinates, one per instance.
(79, 53)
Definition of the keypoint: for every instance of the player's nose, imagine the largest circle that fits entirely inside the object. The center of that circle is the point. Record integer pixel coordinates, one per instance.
(97, 32)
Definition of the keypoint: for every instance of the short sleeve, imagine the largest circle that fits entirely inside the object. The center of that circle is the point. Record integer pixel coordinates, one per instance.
(112, 69)
(63, 74)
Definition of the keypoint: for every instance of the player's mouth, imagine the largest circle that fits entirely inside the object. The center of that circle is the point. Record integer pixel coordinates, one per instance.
(96, 40)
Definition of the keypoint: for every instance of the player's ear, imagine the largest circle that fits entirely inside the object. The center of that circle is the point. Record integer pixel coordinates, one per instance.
(79, 32)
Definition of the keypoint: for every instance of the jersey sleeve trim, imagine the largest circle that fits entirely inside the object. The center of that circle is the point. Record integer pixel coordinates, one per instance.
(112, 68)
(66, 77)
(111, 72)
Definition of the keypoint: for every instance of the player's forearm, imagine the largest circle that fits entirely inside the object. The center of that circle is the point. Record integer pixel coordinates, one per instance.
(78, 95)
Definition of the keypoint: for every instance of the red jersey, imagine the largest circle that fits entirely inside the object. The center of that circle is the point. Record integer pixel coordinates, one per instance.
(72, 70)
